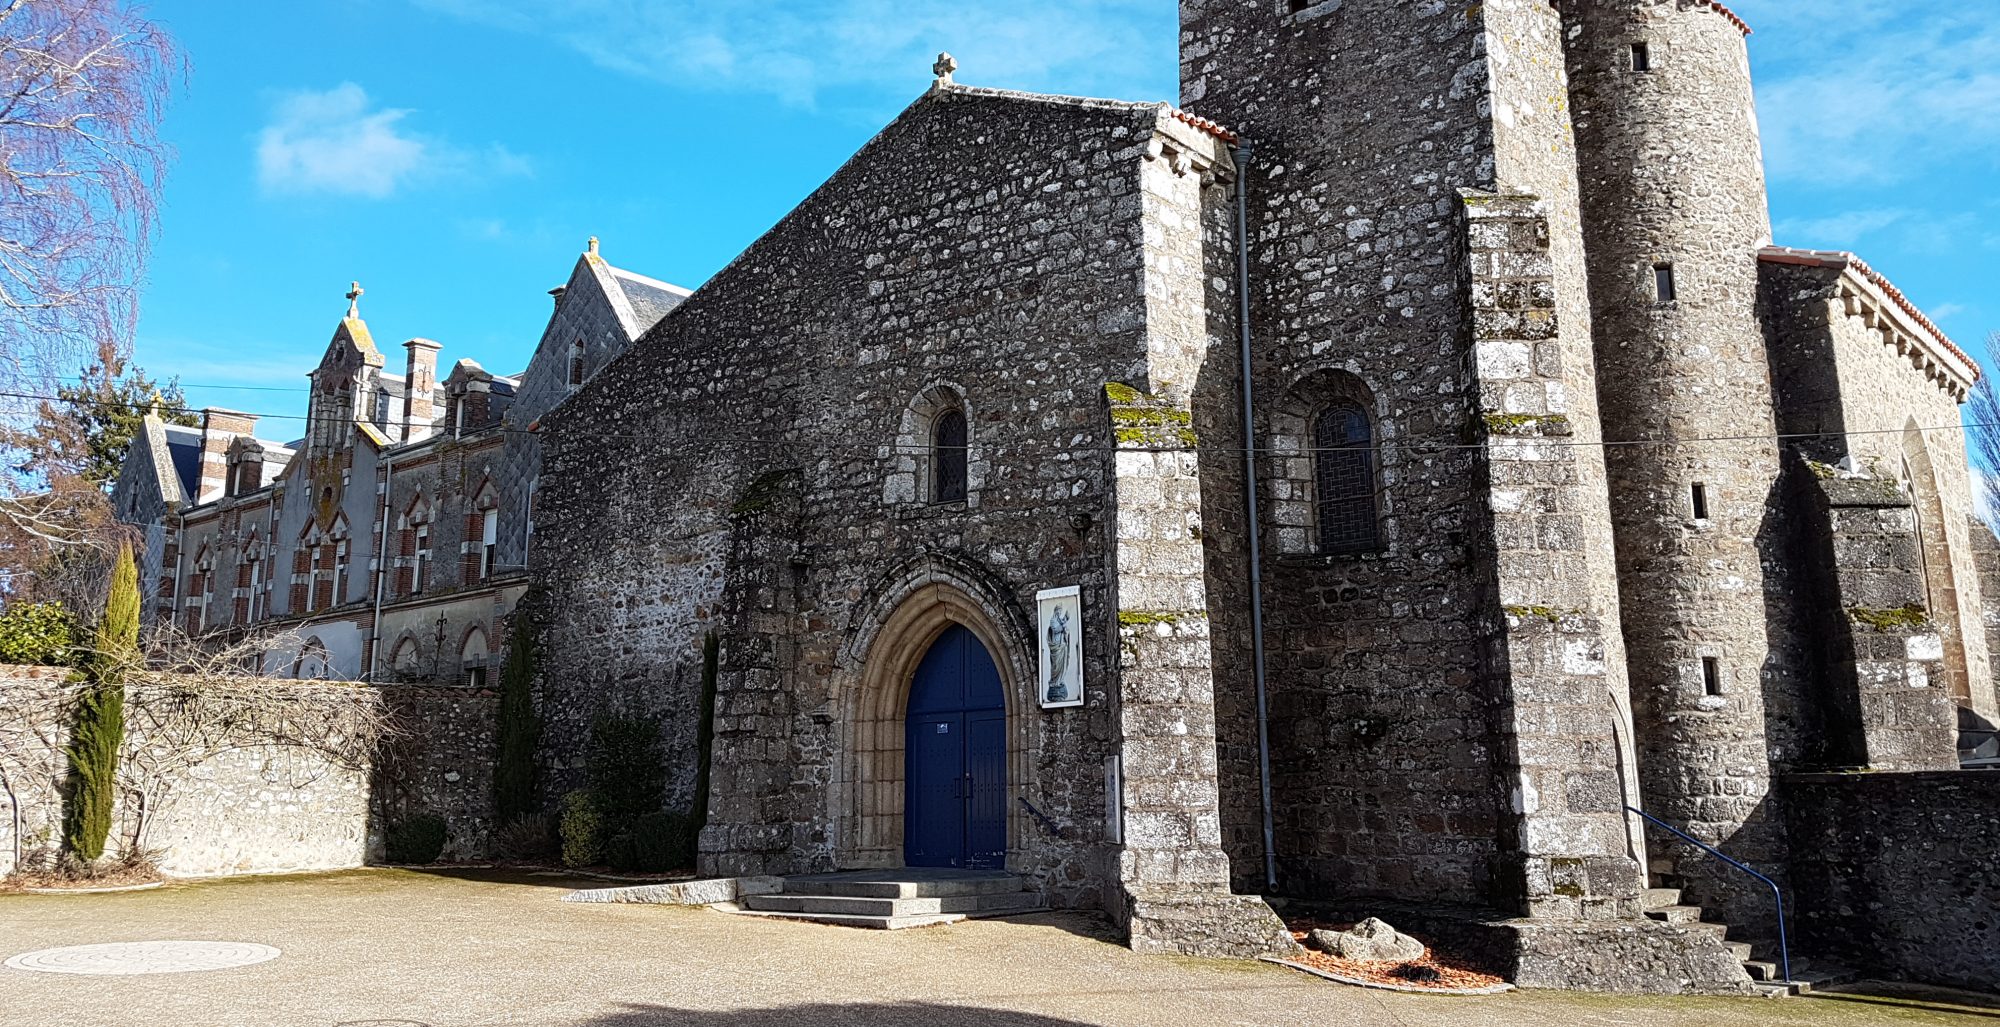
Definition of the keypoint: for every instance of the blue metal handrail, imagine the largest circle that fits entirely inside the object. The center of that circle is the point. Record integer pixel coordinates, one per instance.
(1047, 824)
(1785, 950)
(1784, 947)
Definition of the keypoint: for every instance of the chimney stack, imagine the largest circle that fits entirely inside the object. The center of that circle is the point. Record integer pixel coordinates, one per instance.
(218, 427)
(419, 389)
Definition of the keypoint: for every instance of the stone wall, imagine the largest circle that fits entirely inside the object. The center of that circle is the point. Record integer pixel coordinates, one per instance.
(756, 465)
(1884, 703)
(1849, 387)
(1896, 874)
(251, 802)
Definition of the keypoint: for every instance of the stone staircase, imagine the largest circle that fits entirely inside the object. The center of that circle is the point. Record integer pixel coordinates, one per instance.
(895, 899)
(1766, 976)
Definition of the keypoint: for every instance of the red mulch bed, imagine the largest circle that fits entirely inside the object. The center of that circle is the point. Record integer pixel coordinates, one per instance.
(1452, 972)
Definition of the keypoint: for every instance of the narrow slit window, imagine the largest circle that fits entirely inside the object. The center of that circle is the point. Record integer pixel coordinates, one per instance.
(1699, 500)
(1295, 6)
(1711, 675)
(1642, 57)
(1664, 286)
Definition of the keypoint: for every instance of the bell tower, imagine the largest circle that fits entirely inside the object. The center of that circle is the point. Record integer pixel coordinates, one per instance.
(1415, 239)
(1675, 213)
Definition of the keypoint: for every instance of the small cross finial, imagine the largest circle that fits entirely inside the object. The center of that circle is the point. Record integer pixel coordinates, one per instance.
(354, 291)
(946, 64)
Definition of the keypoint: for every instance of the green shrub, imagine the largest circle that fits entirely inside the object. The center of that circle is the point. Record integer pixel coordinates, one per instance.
(582, 829)
(37, 634)
(657, 842)
(419, 839)
(626, 769)
(520, 730)
(529, 837)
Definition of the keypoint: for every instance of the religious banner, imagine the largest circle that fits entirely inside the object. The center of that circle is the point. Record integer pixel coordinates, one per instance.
(1060, 633)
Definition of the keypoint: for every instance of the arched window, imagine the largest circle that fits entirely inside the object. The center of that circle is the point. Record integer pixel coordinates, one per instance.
(1344, 479)
(473, 656)
(405, 660)
(576, 364)
(948, 457)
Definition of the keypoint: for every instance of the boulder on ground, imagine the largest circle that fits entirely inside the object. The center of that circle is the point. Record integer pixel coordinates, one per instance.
(1370, 941)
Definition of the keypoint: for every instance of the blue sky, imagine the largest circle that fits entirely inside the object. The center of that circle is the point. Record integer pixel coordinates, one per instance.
(453, 155)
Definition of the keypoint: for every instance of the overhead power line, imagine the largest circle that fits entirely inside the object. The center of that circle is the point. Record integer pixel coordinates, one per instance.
(877, 447)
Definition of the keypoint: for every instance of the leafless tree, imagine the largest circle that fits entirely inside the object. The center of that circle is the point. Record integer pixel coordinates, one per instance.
(201, 697)
(82, 88)
(1982, 418)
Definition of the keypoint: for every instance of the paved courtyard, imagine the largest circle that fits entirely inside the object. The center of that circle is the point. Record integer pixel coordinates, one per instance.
(386, 948)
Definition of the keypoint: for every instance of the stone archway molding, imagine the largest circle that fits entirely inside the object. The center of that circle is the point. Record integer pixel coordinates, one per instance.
(911, 606)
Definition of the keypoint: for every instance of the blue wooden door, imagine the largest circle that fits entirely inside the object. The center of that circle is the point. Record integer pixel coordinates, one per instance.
(955, 774)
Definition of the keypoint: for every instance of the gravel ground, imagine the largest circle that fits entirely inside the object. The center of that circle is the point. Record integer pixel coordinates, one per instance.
(391, 948)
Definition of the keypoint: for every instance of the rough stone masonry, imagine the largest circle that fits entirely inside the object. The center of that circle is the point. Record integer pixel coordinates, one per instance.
(1510, 585)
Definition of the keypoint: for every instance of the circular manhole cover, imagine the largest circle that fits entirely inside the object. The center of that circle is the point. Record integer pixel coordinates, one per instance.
(144, 957)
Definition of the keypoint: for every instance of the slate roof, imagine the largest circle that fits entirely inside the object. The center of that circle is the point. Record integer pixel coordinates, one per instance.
(184, 449)
(651, 298)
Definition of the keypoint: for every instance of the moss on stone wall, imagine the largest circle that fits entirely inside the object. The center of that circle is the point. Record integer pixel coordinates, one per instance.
(764, 491)
(1138, 419)
(1531, 425)
(1912, 617)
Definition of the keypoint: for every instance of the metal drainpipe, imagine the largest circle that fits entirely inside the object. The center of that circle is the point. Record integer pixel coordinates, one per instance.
(1242, 158)
(381, 565)
(180, 558)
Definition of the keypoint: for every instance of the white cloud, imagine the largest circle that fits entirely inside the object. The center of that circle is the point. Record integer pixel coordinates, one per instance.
(801, 50)
(334, 142)
(1868, 92)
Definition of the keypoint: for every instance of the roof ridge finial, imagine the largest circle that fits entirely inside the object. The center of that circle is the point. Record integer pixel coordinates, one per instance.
(354, 292)
(591, 246)
(946, 64)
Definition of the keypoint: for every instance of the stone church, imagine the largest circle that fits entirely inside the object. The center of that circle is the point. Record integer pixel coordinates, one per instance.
(1378, 478)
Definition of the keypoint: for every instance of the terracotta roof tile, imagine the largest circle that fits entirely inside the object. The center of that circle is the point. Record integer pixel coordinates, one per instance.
(1208, 126)
(1844, 259)
(1725, 12)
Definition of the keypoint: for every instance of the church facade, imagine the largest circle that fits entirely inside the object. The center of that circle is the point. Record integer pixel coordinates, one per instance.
(1573, 495)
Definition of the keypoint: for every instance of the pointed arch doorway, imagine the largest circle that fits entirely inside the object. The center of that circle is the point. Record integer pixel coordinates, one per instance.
(955, 757)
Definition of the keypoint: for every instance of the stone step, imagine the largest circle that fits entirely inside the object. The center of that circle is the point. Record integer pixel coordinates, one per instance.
(1719, 930)
(1739, 949)
(916, 889)
(879, 923)
(1660, 898)
(1760, 970)
(1662, 867)
(848, 905)
(1677, 914)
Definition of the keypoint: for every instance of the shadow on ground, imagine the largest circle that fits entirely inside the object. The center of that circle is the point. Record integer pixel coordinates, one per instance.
(1894, 995)
(867, 1014)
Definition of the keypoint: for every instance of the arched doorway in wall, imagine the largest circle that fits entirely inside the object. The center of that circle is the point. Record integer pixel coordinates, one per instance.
(955, 758)
(925, 613)
(1934, 551)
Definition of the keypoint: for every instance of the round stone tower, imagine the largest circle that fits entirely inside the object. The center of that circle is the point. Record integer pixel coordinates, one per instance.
(1674, 214)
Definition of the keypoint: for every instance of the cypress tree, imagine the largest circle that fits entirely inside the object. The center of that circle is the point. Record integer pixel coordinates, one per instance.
(99, 728)
(704, 742)
(520, 731)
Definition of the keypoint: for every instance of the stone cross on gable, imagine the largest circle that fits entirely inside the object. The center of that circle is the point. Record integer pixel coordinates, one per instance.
(946, 64)
(354, 291)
